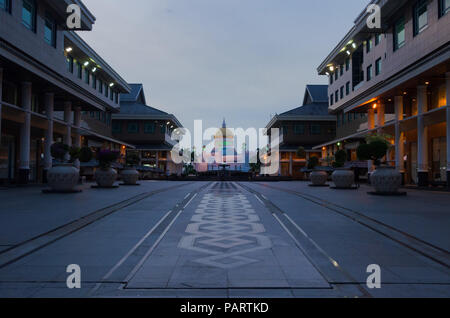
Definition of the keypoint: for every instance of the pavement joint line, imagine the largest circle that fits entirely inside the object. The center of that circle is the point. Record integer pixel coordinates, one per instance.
(142, 240)
(428, 250)
(273, 209)
(30, 246)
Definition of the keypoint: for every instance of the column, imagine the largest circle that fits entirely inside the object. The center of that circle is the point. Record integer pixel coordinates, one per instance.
(381, 118)
(290, 163)
(448, 127)
(371, 118)
(25, 135)
(371, 126)
(77, 124)
(1, 90)
(49, 101)
(157, 160)
(399, 137)
(68, 120)
(422, 137)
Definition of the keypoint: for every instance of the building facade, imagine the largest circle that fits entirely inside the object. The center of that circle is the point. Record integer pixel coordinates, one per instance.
(396, 81)
(305, 126)
(148, 129)
(51, 82)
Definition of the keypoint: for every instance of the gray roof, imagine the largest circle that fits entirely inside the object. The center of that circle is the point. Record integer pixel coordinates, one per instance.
(133, 96)
(317, 93)
(139, 109)
(316, 109)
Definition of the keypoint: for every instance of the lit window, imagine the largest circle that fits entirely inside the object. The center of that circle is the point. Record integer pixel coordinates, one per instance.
(369, 45)
(399, 34)
(420, 16)
(29, 14)
(377, 39)
(50, 30)
(70, 64)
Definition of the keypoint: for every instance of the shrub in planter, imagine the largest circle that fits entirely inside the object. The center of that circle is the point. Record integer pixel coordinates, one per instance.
(129, 174)
(105, 176)
(385, 179)
(342, 178)
(63, 176)
(318, 178)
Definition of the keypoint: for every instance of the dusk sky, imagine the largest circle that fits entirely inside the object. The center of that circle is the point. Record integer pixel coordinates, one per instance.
(244, 60)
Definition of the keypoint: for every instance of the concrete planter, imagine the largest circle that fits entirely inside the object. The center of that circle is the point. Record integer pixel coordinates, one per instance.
(386, 180)
(318, 178)
(63, 177)
(343, 178)
(130, 176)
(105, 178)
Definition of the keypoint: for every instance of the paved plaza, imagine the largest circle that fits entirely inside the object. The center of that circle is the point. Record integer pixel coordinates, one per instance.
(223, 239)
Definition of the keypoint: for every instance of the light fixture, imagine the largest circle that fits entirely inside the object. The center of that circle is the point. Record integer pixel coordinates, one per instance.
(86, 63)
(339, 144)
(331, 68)
(168, 123)
(328, 74)
(390, 99)
(94, 70)
(427, 83)
(374, 106)
(69, 49)
(111, 84)
(354, 45)
(348, 53)
(324, 148)
(404, 93)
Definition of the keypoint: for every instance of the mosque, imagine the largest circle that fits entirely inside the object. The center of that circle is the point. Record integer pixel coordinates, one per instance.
(224, 156)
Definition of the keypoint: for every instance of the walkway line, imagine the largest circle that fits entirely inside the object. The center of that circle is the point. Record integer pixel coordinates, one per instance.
(131, 251)
(259, 199)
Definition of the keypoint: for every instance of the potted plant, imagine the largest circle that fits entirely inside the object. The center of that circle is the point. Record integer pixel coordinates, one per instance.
(385, 179)
(105, 176)
(318, 177)
(129, 174)
(343, 178)
(63, 176)
(86, 154)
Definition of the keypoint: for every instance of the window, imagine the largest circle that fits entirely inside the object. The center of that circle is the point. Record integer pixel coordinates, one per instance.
(70, 64)
(350, 117)
(87, 76)
(79, 70)
(108, 119)
(343, 118)
(5, 5)
(331, 78)
(92, 114)
(98, 115)
(336, 96)
(50, 30)
(133, 128)
(316, 129)
(116, 127)
(336, 75)
(378, 67)
(111, 95)
(163, 129)
(299, 129)
(369, 45)
(29, 14)
(285, 130)
(399, 34)
(347, 88)
(342, 92)
(117, 98)
(347, 64)
(149, 128)
(341, 69)
(100, 86)
(331, 100)
(420, 16)
(369, 72)
(106, 90)
(377, 39)
(444, 7)
(94, 81)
